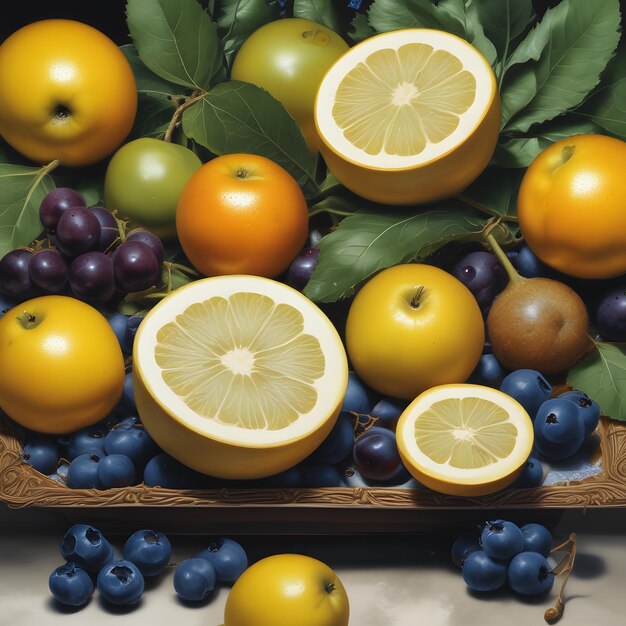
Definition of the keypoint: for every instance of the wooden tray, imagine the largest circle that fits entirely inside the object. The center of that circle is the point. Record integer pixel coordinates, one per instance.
(304, 510)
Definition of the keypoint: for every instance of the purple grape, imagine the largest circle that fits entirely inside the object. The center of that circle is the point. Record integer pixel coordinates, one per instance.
(611, 315)
(48, 270)
(135, 266)
(109, 230)
(78, 231)
(301, 268)
(376, 454)
(483, 275)
(55, 203)
(91, 277)
(14, 276)
(151, 240)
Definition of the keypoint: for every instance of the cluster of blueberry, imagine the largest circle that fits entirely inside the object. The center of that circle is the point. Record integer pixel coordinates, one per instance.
(91, 563)
(85, 256)
(503, 553)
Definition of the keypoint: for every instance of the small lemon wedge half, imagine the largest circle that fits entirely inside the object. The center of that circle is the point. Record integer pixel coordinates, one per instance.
(408, 116)
(465, 440)
(238, 376)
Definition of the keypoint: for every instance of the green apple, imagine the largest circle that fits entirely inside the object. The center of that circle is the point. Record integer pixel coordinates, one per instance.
(144, 180)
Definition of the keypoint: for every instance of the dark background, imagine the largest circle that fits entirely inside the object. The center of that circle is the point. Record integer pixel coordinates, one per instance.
(108, 15)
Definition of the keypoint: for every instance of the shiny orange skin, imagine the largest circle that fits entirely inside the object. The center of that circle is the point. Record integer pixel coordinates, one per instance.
(241, 214)
(61, 365)
(572, 206)
(66, 92)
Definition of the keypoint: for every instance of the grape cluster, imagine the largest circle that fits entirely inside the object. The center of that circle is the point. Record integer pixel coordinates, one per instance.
(85, 256)
(501, 553)
(146, 553)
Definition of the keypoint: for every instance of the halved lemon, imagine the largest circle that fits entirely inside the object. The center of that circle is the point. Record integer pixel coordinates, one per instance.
(465, 440)
(238, 376)
(408, 116)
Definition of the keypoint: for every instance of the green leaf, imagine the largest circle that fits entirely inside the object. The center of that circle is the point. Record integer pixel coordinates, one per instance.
(21, 191)
(319, 11)
(503, 21)
(521, 151)
(359, 28)
(475, 34)
(607, 106)
(602, 376)
(147, 81)
(240, 117)
(153, 116)
(559, 62)
(176, 39)
(497, 190)
(372, 239)
(238, 19)
(386, 15)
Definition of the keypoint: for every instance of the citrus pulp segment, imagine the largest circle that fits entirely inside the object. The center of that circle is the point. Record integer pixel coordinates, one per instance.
(465, 440)
(408, 116)
(238, 376)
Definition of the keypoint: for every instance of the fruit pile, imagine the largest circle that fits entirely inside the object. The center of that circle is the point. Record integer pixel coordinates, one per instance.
(90, 558)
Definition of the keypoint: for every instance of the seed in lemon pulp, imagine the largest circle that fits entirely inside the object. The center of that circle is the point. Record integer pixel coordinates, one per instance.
(465, 432)
(241, 360)
(399, 101)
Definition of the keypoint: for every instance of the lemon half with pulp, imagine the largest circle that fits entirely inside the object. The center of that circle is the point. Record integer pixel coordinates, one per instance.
(238, 376)
(408, 116)
(465, 440)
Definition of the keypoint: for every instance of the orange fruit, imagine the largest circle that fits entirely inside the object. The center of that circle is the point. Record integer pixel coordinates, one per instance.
(571, 206)
(241, 214)
(61, 365)
(66, 92)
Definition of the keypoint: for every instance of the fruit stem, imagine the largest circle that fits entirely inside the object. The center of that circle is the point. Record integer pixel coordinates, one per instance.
(28, 320)
(514, 277)
(179, 112)
(565, 566)
(415, 300)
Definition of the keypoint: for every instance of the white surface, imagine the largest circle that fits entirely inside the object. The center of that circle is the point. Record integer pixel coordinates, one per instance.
(400, 580)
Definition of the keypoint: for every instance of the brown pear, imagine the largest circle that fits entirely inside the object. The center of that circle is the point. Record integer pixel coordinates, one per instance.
(536, 323)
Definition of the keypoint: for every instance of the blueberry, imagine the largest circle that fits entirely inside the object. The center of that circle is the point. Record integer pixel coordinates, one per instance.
(483, 275)
(529, 265)
(194, 579)
(482, 573)
(357, 398)
(227, 557)
(128, 394)
(87, 547)
(6, 304)
(529, 573)
(537, 538)
(121, 582)
(611, 314)
(42, 453)
(149, 550)
(501, 539)
(133, 441)
(132, 325)
(488, 372)
(119, 323)
(70, 585)
(588, 408)
(528, 387)
(338, 444)
(165, 471)
(83, 471)
(464, 545)
(531, 475)
(320, 474)
(387, 411)
(291, 477)
(90, 439)
(559, 429)
(115, 470)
